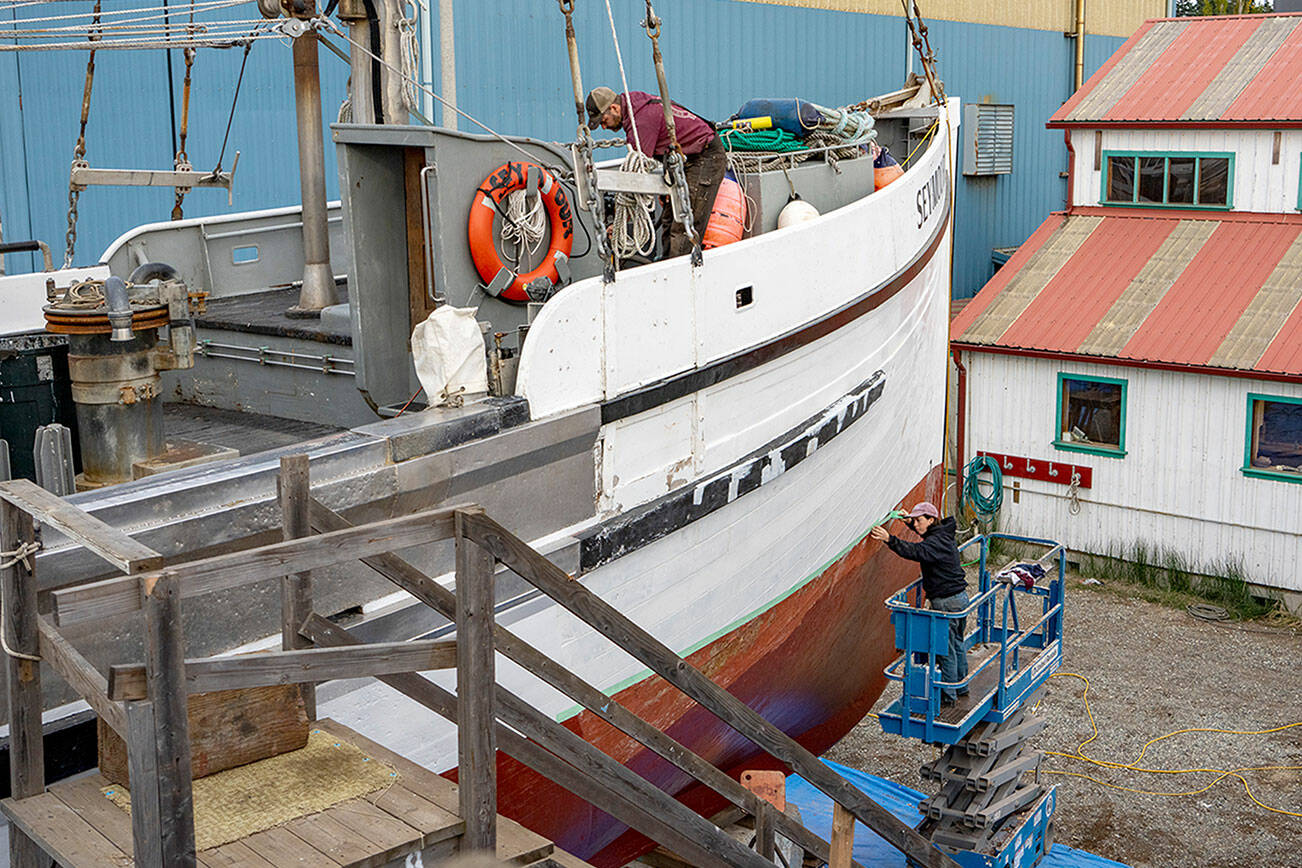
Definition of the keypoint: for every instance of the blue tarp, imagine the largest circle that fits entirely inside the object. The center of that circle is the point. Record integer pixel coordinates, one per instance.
(870, 850)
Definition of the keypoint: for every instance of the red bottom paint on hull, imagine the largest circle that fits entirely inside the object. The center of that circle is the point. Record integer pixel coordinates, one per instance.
(812, 665)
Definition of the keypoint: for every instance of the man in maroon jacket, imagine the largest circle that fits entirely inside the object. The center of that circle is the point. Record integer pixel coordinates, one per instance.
(706, 159)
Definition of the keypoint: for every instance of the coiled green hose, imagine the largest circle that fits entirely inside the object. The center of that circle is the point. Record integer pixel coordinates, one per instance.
(985, 505)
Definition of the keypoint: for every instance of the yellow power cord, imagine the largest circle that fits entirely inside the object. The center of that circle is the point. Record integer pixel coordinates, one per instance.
(1133, 765)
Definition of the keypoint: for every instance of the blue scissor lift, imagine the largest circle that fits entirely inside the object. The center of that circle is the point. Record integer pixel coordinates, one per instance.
(991, 810)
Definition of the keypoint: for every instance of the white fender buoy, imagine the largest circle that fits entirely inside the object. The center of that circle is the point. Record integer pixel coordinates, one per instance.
(796, 211)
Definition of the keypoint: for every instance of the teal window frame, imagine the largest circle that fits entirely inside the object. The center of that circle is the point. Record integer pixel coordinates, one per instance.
(1260, 472)
(1071, 446)
(1166, 180)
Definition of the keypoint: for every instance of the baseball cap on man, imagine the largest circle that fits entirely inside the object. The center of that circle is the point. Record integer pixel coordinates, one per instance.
(925, 508)
(599, 99)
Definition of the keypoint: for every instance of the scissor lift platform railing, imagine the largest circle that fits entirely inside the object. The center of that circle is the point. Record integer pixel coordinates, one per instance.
(990, 811)
(1015, 662)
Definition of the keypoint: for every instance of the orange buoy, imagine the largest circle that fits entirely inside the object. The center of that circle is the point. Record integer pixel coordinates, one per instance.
(727, 217)
(884, 175)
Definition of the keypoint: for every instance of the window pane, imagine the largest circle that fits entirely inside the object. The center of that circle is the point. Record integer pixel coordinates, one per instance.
(1152, 178)
(1180, 187)
(1213, 181)
(1277, 440)
(1121, 179)
(1091, 413)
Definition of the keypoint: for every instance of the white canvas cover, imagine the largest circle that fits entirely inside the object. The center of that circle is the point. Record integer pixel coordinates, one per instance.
(448, 349)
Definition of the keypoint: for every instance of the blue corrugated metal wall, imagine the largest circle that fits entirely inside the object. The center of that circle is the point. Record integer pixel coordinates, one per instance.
(513, 74)
(130, 126)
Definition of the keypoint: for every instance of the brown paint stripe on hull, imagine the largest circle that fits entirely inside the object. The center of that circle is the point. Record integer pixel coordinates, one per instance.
(1148, 288)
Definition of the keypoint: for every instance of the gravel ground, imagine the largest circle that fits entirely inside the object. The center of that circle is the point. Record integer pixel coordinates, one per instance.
(1152, 670)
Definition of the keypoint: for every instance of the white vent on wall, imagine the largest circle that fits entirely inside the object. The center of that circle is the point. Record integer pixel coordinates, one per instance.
(989, 139)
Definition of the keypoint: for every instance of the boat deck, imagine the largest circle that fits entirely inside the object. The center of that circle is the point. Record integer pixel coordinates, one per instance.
(246, 432)
(76, 823)
(263, 313)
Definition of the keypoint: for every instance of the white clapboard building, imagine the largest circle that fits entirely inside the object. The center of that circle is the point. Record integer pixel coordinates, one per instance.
(1136, 366)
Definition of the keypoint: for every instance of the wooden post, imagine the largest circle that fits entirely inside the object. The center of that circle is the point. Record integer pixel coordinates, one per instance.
(142, 759)
(765, 844)
(842, 837)
(294, 490)
(476, 684)
(26, 747)
(165, 661)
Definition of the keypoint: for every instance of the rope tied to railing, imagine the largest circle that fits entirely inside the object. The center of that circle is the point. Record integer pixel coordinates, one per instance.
(20, 555)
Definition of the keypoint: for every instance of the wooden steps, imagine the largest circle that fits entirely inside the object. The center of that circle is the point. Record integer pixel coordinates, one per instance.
(78, 826)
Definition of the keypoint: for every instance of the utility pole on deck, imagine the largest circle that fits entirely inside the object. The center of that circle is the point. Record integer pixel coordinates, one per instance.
(318, 278)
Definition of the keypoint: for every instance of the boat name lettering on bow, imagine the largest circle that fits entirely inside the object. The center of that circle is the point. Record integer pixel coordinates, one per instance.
(932, 193)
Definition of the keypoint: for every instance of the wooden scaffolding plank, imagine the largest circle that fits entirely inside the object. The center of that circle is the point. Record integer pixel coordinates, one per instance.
(515, 843)
(390, 837)
(58, 830)
(236, 854)
(331, 837)
(434, 823)
(85, 796)
(281, 847)
(110, 543)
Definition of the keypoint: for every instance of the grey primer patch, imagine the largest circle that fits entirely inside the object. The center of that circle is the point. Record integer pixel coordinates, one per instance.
(677, 509)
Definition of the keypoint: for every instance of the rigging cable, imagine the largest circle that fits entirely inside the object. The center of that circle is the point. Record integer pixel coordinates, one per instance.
(79, 152)
(234, 101)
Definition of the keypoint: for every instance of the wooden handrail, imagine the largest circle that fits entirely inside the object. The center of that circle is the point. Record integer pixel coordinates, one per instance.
(605, 619)
(305, 666)
(122, 595)
(441, 600)
(81, 676)
(110, 543)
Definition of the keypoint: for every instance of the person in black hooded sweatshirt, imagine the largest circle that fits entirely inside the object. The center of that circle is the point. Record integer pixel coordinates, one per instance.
(943, 581)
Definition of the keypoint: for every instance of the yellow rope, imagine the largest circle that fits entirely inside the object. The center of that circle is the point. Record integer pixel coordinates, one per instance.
(1134, 764)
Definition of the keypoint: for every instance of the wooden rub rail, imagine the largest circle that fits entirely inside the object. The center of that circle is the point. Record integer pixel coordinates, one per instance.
(146, 703)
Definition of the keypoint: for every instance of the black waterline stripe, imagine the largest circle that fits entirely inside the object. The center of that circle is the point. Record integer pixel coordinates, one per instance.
(681, 385)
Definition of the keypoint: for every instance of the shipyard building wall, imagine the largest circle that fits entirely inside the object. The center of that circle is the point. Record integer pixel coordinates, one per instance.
(512, 72)
(1258, 180)
(1180, 485)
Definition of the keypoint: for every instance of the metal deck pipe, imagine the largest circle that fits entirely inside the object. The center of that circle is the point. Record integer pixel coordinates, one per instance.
(318, 279)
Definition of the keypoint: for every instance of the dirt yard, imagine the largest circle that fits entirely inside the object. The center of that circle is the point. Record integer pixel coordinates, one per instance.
(1153, 670)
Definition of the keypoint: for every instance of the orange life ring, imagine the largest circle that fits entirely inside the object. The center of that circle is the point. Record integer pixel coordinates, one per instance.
(504, 180)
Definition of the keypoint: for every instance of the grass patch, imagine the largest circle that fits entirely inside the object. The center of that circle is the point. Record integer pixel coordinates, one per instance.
(1167, 577)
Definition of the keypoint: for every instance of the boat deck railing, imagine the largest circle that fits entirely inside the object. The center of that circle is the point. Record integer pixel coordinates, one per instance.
(1013, 660)
(146, 703)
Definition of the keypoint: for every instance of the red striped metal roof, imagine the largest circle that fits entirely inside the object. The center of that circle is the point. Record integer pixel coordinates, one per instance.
(1199, 289)
(1228, 70)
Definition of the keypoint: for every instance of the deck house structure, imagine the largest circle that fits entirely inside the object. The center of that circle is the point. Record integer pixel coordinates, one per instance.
(1136, 366)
